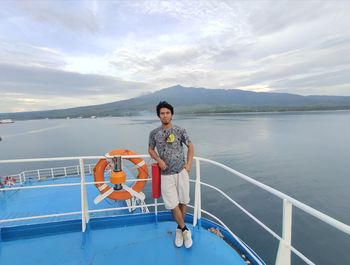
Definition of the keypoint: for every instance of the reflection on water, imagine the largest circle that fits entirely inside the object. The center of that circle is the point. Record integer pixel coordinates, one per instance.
(32, 131)
(305, 155)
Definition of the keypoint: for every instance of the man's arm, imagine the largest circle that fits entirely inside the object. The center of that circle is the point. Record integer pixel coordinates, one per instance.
(190, 153)
(156, 157)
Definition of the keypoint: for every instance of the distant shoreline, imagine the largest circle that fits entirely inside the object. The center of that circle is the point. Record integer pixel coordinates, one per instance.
(196, 101)
(265, 112)
(204, 114)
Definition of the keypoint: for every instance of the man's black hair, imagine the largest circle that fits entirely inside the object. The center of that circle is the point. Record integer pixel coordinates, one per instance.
(164, 104)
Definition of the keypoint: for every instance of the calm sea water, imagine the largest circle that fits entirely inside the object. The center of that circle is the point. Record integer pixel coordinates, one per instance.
(305, 155)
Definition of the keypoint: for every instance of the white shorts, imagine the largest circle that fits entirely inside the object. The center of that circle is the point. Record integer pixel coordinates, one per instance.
(175, 189)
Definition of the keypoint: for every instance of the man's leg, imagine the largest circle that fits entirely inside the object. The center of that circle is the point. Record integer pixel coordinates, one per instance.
(187, 237)
(184, 197)
(183, 209)
(178, 216)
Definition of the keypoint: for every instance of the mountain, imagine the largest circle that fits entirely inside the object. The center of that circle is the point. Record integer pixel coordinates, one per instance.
(196, 100)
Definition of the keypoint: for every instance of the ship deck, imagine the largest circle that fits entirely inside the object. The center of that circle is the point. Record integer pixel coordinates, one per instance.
(116, 236)
(149, 243)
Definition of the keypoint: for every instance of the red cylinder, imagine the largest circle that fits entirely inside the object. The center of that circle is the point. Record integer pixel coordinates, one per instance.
(155, 181)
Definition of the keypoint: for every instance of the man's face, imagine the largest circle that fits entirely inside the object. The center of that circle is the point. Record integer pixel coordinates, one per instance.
(165, 116)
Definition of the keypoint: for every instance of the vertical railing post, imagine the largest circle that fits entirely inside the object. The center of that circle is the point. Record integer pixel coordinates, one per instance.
(197, 196)
(65, 171)
(156, 209)
(84, 203)
(52, 173)
(38, 174)
(284, 251)
(89, 168)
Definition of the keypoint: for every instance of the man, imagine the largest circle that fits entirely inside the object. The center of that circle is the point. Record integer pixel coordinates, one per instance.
(169, 140)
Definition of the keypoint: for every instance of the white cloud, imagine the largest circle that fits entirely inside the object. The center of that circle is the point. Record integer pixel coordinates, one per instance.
(20, 53)
(35, 88)
(72, 15)
(125, 48)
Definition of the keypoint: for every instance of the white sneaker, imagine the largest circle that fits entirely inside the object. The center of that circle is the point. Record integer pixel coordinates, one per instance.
(187, 238)
(179, 239)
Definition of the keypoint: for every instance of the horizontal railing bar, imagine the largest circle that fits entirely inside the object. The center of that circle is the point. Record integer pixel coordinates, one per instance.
(41, 186)
(65, 158)
(55, 168)
(38, 217)
(74, 213)
(124, 208)
(48, 159)
(69, 184)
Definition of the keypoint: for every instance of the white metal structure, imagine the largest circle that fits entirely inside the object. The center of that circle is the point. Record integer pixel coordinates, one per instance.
(285, 247)
(45, 173)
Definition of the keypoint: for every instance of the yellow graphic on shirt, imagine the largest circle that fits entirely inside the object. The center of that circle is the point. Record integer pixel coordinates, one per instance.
(171, 138)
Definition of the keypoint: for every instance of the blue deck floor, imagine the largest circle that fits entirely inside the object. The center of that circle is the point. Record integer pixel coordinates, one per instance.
(140, 244)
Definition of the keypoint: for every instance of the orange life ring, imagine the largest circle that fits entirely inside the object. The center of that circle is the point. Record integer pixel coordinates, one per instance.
(101, 165)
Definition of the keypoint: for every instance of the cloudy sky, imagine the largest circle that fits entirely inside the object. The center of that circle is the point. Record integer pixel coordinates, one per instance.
(59, 54)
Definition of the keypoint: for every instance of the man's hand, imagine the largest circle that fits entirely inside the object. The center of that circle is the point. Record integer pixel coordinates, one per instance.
(188, 167)
(162, 164)
(190, 153)
(155, 156)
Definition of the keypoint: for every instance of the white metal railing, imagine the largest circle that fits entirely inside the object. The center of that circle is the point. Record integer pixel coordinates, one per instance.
(285, 247)
(45, 173)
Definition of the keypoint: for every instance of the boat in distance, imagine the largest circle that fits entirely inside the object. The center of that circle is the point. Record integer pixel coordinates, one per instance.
(6, 121)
